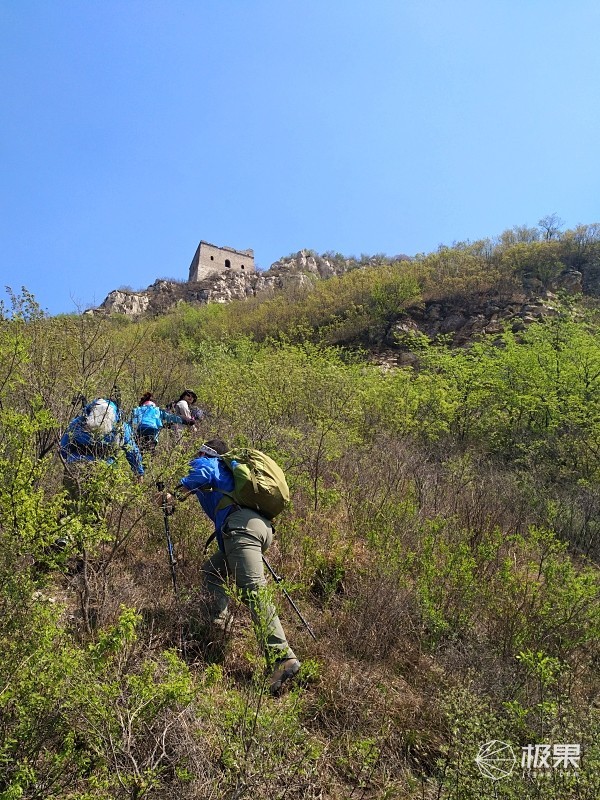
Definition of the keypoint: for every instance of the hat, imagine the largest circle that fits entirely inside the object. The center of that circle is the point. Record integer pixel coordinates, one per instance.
(205, 450)
(213, 448)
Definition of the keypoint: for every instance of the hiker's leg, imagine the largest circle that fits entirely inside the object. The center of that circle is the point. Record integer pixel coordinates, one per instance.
(214, 575)
(74, 481)
(245, 537)
(148, 442)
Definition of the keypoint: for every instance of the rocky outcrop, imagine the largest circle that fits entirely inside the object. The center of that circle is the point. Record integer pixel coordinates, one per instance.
(487, 316)
(121, 301)
(458, 321)
(222, 287)
(305, 261)
(570, 281)
(297, 270)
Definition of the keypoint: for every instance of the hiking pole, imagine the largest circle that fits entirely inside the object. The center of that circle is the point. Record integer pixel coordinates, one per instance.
(161, 488)
(278, 580)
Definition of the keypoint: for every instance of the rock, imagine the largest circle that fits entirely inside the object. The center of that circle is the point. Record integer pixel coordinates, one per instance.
(534, 285)
(537, 311)
(406, 326)
(570, 281)
(475, 324)
(407, 359)
(306, 261)
(453, 322)
(130, 303)
(433, 312)
(550, 311)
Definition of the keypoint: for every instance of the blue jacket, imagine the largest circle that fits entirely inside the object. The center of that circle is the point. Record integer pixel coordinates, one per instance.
(150, 417)
(76, 444)
(208, 479)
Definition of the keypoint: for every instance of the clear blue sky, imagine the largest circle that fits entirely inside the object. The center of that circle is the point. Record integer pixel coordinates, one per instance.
(134, 128)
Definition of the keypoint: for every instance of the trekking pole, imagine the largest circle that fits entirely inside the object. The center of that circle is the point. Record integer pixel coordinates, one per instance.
(278, 580)
(161, 488)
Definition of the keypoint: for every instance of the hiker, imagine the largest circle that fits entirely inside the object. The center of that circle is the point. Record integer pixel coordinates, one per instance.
(147, 419)
(242, 536)
(182, 406)
(97, 434)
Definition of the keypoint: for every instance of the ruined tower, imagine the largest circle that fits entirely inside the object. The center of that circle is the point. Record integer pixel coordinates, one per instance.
(209, 258)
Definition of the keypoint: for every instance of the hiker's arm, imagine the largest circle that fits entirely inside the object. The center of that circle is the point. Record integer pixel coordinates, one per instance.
(200, 477)
(174, 418)
(66, 441)
(168, 501)
(132, 452)
(166, 416)
(180, 493)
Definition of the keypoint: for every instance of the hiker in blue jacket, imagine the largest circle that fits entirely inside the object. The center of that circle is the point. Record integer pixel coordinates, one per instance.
(97, 434)
(242, 536)
(147, 419)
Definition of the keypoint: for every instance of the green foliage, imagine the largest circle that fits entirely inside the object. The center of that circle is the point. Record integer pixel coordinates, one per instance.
(361, 304)
(533, 399)
(539, 260)
(462, 270)
(123, 705)
(473, 722)
(434, 540)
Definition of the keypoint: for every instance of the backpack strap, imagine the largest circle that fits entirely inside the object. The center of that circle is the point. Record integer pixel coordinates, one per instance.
(209, 540)
(234, 507)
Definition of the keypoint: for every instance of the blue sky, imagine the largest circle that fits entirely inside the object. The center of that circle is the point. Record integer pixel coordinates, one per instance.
(132, 129)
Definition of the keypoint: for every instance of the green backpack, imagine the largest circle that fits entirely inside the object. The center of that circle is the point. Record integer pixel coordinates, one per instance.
(259, 482)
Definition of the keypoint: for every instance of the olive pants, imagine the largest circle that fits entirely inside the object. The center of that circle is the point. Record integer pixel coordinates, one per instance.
(246, 535)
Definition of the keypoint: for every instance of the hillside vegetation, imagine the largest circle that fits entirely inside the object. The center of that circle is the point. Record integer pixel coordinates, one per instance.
(442, 540)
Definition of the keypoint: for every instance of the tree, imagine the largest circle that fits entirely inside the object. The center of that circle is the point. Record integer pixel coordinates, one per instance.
(551, 225)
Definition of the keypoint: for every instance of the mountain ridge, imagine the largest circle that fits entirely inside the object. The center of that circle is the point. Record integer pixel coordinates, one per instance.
(296, 270)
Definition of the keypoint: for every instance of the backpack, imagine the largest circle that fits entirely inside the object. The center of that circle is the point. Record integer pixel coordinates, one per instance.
(97, 433)
(100, 417)
(259, 482)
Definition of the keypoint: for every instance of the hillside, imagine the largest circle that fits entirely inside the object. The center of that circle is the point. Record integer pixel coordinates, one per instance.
(296, 271)
(463, 291)
(442, 538)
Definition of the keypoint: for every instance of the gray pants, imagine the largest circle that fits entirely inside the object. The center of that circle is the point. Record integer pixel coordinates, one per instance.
(246, 535)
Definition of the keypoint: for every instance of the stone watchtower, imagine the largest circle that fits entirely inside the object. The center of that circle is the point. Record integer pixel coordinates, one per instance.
(209, 259)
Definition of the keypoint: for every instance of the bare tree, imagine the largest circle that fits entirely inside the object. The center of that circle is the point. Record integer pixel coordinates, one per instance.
(551, 225)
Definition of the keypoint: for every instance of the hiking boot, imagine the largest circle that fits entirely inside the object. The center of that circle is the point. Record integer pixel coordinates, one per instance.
(223, 621)
(284, 670)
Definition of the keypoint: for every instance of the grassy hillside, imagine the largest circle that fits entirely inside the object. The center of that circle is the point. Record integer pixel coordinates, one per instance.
(442, 540)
